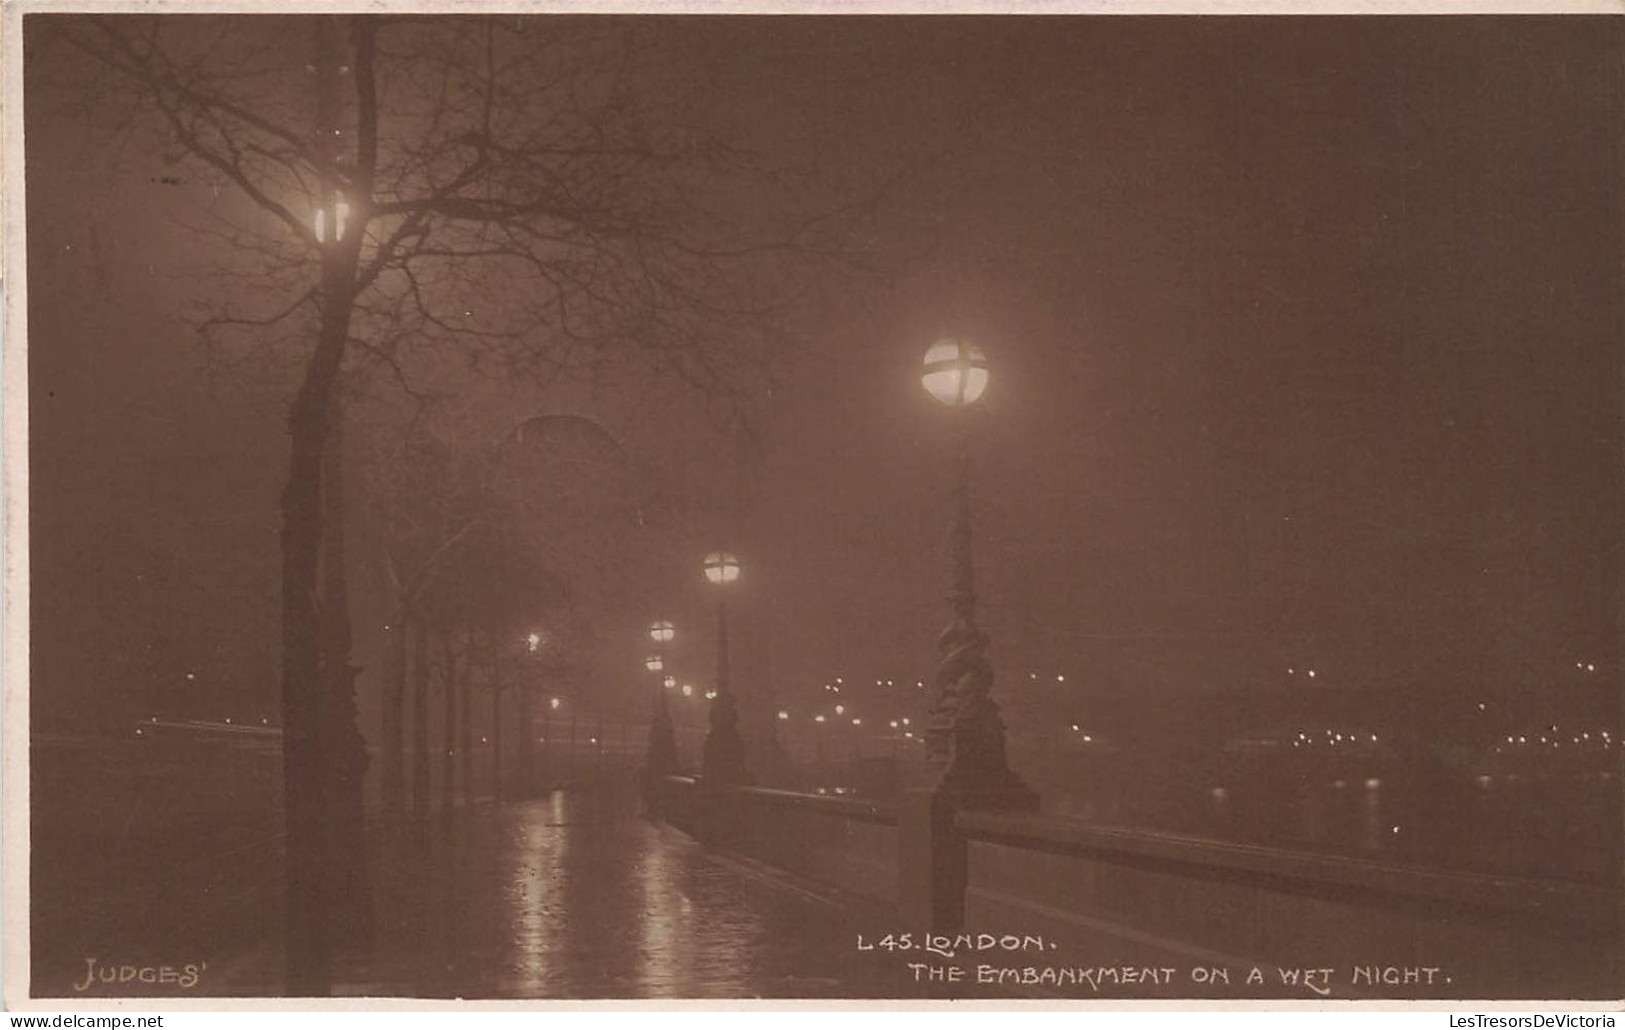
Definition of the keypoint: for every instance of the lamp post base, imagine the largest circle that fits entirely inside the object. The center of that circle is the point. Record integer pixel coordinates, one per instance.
(964, 730)
(1006, 794)
(773, 764)
(662, 756)
(722, 763)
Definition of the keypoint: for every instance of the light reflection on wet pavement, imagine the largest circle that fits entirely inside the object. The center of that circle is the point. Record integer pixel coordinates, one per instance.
(576, 896)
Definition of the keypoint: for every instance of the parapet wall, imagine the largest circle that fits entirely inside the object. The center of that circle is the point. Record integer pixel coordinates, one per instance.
(1311, 925)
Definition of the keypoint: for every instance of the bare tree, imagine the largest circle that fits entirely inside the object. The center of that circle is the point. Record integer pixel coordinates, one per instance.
(425, 192)
(554, 490)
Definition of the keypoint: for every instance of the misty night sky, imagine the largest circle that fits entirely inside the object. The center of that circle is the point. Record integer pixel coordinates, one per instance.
(1304, 338)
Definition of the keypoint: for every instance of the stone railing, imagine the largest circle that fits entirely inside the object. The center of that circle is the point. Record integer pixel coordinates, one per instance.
(846, 843)
(1379, 926)
(1383, 929)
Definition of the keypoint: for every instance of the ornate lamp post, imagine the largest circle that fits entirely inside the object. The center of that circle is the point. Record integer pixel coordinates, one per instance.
(547, 742)
(964, 732)
(527, 725)
(723, 760)
(340, 219)
(662, 757)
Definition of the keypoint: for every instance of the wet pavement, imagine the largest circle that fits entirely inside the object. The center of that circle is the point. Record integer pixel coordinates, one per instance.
(568, 896)
(575, 896)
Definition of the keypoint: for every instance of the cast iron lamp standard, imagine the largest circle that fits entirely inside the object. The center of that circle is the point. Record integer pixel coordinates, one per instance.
(527, 722)
(662, 756)
(723, 760)
(547, 742)
(964, 733)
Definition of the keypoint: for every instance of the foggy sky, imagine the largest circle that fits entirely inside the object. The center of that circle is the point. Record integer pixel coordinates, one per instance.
(1304, 338)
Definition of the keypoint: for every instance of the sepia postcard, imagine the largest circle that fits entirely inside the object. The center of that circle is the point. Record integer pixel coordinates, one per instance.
(1049, 504)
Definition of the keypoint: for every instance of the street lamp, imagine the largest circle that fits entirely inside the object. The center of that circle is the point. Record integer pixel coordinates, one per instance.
(547, 742)
(721, 568)
(662, 756)
(965, 736)
(340, 219)
(527, 728)
(536, 643)
(723, 761)
(955, 372)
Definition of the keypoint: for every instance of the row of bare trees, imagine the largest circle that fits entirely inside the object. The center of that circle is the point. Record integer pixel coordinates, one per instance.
(417, 201)
(473, 597)
(504, 562)
(468, 674)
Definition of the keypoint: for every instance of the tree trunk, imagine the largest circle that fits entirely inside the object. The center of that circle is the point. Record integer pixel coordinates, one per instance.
(496, 738)
(547, 745)
(466, 734)
(598, 747)
(320, 760)
(394, 720)
(348, 762)
(420, 719)
(626, 748)
(448, 732)
(304, 738)
(527, 733)
(318, 702)
(570, 762)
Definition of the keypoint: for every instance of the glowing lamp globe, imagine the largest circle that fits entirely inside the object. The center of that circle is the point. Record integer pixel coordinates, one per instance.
(662, 632)
(955, 372)
(654, 663)
(670, 682)
(721, 567)
(341, 217)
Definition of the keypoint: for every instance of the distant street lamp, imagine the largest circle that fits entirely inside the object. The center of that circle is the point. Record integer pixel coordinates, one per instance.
(965, 744)
(662, 755)
(527, 721)
(547, 742)
(723, 760)
(818, 747)
(340, 220)
(721, 568)
(955, 372)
